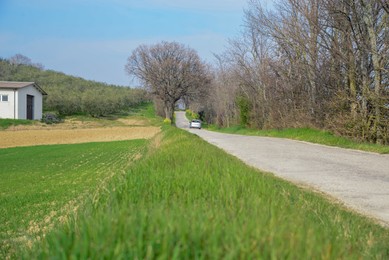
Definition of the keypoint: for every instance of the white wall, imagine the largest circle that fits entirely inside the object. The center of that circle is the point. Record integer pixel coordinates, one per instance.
(21, 96)
(7, 108)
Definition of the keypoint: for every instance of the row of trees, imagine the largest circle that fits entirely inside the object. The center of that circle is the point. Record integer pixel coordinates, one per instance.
(315, 63)
(320, 63)
(70, 95)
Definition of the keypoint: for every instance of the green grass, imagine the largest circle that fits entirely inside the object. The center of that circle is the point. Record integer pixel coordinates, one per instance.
(145, 110)
(308, 135)
(42, 186)
(187, 199)
(6, 123)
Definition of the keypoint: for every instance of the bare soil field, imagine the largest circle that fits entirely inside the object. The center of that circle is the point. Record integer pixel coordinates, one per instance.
(76, 123)
(74, 131)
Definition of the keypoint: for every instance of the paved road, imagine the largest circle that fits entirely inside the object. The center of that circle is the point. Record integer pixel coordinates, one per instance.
(359, 179)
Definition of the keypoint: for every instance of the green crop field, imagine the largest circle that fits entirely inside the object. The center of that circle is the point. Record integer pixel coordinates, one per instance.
(42, 187)
(186, 199)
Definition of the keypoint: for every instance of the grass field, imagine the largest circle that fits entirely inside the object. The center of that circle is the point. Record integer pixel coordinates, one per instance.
(6, 123)
(186, 199)
(42, 186)
(308, 135)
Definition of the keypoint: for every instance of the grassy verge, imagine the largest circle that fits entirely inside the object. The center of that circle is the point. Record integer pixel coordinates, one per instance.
(308, 135)
(187, 199)
(42, 186)
(6, 123)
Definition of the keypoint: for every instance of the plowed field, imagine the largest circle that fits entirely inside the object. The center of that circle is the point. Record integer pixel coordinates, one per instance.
(72, 136)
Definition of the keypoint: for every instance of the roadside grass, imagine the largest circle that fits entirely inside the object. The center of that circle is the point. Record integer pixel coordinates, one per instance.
(6, 123)
(186, 199)
(305, 134)
(43, 186)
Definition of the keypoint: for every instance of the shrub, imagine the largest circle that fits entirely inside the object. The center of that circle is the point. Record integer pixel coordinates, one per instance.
(191, 114)
(51, 118)
(167, 121)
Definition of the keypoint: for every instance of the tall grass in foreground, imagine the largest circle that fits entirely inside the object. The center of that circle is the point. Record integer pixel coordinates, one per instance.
(190, 200)
(308, 135)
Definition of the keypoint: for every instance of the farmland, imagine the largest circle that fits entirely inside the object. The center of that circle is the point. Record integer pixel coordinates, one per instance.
(42, 137)
(173, 196)
(78, 130)
(45, 185)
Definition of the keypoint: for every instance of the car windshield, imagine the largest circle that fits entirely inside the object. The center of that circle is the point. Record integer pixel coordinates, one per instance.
(196, 121)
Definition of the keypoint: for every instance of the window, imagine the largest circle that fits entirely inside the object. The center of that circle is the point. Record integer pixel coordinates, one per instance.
(4, 98)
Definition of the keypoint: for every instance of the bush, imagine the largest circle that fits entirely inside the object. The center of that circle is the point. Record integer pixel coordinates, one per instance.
(51, 118)
(167, 121)
(191, 115)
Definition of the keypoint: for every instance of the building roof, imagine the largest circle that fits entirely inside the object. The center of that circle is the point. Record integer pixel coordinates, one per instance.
(18, 85)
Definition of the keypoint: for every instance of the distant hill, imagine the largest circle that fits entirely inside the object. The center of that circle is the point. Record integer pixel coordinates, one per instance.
(69, 95)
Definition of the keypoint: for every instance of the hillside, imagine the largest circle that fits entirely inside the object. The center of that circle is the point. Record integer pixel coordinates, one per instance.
(69, 95)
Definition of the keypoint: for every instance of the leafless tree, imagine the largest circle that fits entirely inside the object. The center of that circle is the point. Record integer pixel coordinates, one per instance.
(322, 63)
(19, 59)
(170, 71)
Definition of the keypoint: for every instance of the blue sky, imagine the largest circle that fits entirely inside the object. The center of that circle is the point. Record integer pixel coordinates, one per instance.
(93, 38)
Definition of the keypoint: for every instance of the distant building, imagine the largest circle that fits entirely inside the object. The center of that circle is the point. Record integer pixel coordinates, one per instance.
(21, 100)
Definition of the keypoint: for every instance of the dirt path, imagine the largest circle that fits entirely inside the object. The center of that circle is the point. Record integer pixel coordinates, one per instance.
(359, 179)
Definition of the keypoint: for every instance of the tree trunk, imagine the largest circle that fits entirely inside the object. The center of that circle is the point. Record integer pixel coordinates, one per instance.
(169, 111)
(368, 19)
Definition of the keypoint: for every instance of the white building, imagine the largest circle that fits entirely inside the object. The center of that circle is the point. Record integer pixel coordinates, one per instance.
(21, 100)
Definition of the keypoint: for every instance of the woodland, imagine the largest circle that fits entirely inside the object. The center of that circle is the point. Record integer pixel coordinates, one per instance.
(306, 63)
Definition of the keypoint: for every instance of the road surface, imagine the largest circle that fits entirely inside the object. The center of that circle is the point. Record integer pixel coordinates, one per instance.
(358, 179)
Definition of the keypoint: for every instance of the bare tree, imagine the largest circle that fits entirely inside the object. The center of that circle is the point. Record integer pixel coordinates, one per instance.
(170, 71)
(314, 63)
(19, 59)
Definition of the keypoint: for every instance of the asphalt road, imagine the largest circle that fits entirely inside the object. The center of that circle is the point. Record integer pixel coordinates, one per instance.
(358, 179)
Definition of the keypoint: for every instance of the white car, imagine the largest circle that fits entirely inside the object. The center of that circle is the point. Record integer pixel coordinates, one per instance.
(195, 123)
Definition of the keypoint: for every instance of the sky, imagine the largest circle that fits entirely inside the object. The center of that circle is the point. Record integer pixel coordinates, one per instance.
(93, 38)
